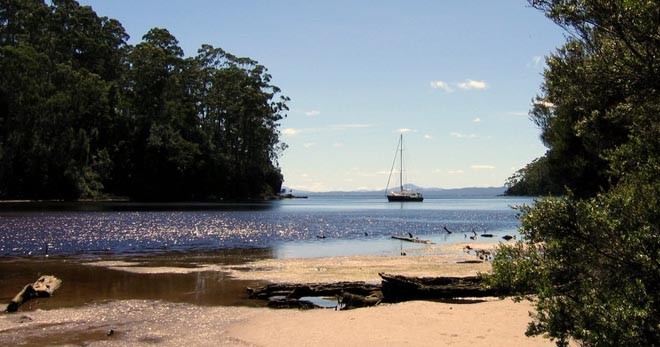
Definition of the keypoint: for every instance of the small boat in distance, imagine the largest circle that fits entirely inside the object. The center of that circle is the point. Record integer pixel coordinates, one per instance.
(402, 194)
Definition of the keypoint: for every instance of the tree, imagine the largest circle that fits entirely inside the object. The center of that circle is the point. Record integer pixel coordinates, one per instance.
(535, 179)
(59, 62)
(592, 257)
(83, 114)
(240, 119)
(606, 69)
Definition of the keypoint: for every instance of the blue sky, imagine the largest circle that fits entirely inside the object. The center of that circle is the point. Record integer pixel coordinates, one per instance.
(457, 77)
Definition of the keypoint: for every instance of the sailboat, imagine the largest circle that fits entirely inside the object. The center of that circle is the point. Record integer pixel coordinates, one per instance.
(402, 194)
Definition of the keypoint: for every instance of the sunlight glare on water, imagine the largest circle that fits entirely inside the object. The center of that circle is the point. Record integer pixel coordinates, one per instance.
(298, 222)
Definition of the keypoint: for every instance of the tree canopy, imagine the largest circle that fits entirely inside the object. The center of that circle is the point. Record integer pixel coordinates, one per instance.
(596, 94)
(84, 114)
(592, 257)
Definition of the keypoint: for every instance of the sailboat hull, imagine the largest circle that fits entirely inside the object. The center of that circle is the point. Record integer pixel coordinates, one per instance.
(396, 198)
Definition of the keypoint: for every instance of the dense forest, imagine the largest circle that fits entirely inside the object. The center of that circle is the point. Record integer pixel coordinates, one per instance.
(592, 256)
(83, 114)
(599, 98)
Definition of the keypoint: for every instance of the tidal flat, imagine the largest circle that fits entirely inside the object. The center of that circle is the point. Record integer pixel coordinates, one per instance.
(200, 300)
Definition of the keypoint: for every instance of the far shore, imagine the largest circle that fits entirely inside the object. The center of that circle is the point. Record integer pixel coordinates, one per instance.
(170, 319)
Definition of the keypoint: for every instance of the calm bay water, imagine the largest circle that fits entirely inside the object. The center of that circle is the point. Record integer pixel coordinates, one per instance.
(288, 228)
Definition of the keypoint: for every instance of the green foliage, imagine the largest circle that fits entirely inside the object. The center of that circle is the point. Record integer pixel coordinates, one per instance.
(535, 179)
(83, 114)
(593, 265)
(594, 86)
(593, 257)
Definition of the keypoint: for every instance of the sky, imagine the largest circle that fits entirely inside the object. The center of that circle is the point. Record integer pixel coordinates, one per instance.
(457, 78)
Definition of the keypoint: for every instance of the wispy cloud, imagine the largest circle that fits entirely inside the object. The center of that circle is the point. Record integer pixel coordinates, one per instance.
(350, 126)
(467, 85)
(404, 130)
(462, 136)
(312, 113)
(471, 84)
(455, 172)
(309, 144)
(482, 167)
(476, 120)
(428, 137)
(290, 131)
(518, 113)
(441, 85)
(357, 172)
(337, 145)
(535, 62)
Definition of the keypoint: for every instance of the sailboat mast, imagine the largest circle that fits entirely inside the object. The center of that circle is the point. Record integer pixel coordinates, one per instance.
(401, 162)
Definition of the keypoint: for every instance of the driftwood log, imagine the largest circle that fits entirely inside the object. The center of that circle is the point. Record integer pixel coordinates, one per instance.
(292, 303)
(44, 287)
(348, 301)
(412, 239)
(296, 291)
(401, 288)
(394, 288)
(348, 294)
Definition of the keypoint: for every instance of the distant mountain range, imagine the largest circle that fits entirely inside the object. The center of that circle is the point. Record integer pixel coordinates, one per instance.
(474, 192)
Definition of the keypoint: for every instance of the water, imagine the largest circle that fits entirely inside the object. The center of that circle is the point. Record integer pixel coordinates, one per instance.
(314, 227)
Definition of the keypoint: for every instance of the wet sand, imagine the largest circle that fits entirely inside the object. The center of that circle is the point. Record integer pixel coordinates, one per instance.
(432, 260)
(175, 301)
(186, 278)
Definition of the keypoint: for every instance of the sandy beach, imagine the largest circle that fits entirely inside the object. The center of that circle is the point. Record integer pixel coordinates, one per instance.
(123, 321)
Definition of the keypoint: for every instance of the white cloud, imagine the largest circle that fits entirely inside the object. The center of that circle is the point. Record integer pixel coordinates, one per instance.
(290, 131)
(518, 113)
(337, 145)
(467, 85)
(482, 167)
(455, 172)
(462, 136)
(547, 104)
(404, 130)
(428, 137)
(313, 113)
(471, 84)
(476, 120)
(441, 85)
(309, 145)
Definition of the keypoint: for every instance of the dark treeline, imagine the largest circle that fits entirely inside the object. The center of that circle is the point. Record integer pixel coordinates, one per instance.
(83, 114)
(592, 256)
(600, 96)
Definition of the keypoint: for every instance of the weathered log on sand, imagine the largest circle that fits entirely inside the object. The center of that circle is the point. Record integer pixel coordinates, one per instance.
(292, 303)
(400, 288)
(44, 287)
(296, 291)
(412, 239)
(348, 294)
(394, 288)
(349, 301)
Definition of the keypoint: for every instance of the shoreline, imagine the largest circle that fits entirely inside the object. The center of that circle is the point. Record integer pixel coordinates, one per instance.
(165, 312)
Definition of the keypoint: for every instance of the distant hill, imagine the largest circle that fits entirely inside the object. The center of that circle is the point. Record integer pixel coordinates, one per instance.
(437, 193)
